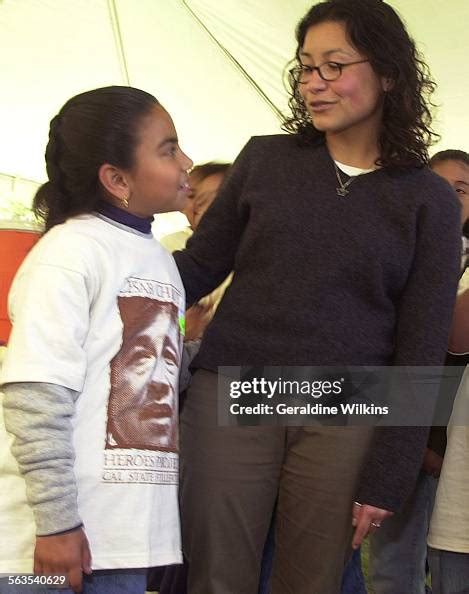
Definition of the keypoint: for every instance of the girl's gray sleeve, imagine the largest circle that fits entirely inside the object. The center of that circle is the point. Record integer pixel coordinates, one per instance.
(38, 415)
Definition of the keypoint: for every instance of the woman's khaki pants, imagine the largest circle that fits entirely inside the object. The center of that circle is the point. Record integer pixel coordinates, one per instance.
(231, 478)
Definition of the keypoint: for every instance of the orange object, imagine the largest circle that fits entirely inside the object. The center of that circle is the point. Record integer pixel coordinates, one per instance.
(16, 240)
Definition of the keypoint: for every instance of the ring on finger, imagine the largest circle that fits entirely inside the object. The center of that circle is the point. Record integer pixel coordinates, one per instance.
(375, 525)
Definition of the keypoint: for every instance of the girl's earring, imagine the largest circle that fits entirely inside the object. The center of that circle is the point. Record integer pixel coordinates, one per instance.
(125, 201)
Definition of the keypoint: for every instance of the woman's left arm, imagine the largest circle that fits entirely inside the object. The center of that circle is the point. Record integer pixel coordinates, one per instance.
(424, 316)
(425, 309)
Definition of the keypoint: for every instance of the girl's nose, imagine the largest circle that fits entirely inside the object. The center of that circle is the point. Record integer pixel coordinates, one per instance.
(187, 162)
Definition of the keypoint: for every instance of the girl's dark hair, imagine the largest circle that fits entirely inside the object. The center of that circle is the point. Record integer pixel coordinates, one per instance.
(376, 30)
(93, 128)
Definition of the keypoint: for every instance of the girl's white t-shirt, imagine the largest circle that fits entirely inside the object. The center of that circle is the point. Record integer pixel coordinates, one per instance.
(99, 309)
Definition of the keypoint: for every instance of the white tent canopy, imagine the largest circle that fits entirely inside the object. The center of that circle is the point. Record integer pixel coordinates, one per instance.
(216, 65)
(53, 49)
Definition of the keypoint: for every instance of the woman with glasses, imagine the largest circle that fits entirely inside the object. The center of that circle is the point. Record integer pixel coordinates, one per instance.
(345, 251)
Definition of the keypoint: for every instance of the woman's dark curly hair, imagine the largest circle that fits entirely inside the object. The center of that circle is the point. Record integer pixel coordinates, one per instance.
(376, 30)
(93, 128)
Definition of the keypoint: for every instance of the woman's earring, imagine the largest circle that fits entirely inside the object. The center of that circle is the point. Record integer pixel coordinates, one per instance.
(125, 201)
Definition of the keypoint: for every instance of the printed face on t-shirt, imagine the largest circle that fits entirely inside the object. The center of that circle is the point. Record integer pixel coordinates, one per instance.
(142, 409)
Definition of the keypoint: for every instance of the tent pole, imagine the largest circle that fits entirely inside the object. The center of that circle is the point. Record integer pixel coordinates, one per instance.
(116, 30)
(230, 56)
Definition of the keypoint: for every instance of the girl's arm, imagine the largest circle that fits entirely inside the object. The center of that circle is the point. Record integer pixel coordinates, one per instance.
(43, 373)
(39, 415)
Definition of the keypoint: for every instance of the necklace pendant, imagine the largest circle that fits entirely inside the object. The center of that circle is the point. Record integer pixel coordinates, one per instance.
(342, 192)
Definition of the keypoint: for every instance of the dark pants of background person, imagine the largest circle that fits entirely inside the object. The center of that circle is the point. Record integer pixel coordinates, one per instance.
(230, 480)
(398, 551)
(450, 572)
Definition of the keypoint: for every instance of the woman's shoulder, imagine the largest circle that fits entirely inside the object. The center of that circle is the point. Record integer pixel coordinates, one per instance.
(282, 142)
(283, 150)
(426, 187)
(422, 178)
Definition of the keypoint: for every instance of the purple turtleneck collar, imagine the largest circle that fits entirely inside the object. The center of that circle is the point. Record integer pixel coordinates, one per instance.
(142, 224)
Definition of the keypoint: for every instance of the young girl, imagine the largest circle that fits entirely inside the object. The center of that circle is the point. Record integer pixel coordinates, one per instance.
(91, 371)
(345, 251)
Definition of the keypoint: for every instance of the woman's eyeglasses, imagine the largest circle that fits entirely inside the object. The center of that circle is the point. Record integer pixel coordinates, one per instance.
(329, 71)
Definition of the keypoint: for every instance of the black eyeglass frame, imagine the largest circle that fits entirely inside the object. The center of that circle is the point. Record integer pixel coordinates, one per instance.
(294, 72)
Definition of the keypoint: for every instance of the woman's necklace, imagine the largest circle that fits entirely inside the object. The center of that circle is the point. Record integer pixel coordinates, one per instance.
(342, 187)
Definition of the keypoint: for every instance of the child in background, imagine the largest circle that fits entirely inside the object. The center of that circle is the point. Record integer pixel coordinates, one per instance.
(204, 180)
(90, 378)
(448, 536)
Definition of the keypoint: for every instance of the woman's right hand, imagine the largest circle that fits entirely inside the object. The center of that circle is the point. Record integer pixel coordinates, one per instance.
(64, 554)
(366, 519)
